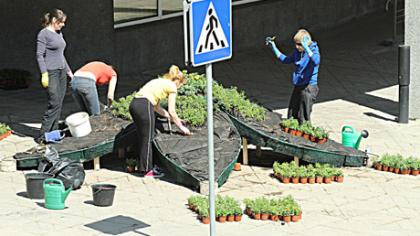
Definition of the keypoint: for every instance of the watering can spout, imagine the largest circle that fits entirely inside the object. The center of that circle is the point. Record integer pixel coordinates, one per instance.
(66, 194)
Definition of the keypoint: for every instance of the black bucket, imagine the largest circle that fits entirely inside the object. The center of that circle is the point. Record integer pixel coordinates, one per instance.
(103, 194)
(34, 181)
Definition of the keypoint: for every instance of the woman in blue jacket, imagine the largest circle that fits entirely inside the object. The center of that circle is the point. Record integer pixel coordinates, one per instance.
(306, 58)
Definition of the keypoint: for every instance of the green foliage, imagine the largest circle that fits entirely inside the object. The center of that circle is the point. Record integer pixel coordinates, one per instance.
(4, 128)
(293, 170)
(192, 109)
(131, 162)
(120, 107)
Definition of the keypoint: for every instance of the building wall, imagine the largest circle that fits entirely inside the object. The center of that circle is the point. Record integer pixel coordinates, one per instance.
(90, 34)
(160, 44)
(412, 36)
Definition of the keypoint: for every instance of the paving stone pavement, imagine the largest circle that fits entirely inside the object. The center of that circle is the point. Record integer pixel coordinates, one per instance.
(357, 87)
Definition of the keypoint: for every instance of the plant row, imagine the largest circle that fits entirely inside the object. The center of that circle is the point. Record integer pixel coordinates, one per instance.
(191, 104)
(305, 130)
(227, 208)
(286, 209)
(291, 172)
(396, 163)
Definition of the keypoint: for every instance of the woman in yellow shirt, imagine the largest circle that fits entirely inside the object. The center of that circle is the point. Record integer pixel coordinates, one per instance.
(142, 108)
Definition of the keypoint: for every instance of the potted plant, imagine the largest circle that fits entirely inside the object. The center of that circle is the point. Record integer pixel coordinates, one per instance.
(339, 176)
(285, 125)
(415, 166)
(310, 172)
(321, 135)
(294, 124)
(385, 161)
(404, 168)
(306, 128)
(131, 165)
(319, 173)
(203, 214)
(4, 131)
(237, 211)
(302, 173)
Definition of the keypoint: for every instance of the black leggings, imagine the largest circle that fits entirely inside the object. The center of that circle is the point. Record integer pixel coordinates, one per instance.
(144, 118)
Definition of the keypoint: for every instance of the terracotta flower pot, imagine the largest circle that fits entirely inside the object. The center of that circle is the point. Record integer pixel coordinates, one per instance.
(378, 166)
(415, 172)
(384, 168)
(130, 169)
(295, 218)
(205, 220)
(285, 180)
(238, 218)
(322, 141)
(256, 216)
(287, 219)
(312, 138)
(306, 136)
(230, 218)
(264, 216)
(303, 180)
(286, 129)
(405, 172)
(237, 166)
(274, 217)
(5, 135)
(397, 170)
(221, 219)
(327, 180)
(391, 169)
(319, 179)
(339, 179)
(311, 180)
(295, 180)
(292, 132)
(298, 133)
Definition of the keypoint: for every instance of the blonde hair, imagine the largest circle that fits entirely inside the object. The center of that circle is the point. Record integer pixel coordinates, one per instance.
(300, 34)
(175, 74)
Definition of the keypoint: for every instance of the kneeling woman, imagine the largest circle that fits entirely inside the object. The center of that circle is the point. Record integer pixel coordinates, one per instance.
(142, 108)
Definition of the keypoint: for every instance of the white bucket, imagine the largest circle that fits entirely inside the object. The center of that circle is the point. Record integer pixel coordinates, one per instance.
(79, 124)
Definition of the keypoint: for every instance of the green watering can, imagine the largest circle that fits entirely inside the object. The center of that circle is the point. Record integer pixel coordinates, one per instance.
(350, 138)
(55, 194)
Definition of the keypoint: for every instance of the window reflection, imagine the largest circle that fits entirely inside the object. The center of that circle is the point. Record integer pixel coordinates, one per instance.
(129, 10)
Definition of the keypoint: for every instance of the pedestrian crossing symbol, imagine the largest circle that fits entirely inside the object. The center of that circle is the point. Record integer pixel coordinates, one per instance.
(210, 31)
(212, 36)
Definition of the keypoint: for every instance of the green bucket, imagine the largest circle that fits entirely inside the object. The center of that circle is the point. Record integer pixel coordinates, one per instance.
(55, 194)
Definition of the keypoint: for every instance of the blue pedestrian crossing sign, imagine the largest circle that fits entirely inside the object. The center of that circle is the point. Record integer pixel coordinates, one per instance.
(210, 26)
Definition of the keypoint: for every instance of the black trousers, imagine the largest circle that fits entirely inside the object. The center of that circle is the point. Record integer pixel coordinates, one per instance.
(144, 118)
(57, 85)
(301, 101)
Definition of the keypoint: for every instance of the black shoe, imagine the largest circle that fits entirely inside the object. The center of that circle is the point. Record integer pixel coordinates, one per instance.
(40, 140)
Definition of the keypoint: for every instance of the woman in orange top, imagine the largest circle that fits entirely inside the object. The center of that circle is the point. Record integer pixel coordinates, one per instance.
(142, 108)
(84, 85)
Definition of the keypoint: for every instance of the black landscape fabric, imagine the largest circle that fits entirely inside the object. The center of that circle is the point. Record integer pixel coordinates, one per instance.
(191, 152)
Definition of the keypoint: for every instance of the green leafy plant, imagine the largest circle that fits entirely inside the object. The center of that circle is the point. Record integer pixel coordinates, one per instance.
(120, 107)
(4, 128)
(131, 162)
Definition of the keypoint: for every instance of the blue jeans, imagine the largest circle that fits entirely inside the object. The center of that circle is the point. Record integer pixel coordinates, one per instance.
(57, 84)
(86, 95)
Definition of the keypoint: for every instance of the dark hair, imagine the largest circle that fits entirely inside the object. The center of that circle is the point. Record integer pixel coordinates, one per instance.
(49, 16)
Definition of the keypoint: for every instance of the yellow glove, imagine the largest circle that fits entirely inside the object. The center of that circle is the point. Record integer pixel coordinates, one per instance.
(44, 79)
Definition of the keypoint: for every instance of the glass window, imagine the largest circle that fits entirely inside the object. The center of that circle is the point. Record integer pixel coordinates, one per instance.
(130, 10)
(171, 6)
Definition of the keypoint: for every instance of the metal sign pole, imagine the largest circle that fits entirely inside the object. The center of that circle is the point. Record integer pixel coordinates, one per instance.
(209, 76)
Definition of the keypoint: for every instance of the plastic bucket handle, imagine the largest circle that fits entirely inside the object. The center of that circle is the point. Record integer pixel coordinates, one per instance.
(102, 187)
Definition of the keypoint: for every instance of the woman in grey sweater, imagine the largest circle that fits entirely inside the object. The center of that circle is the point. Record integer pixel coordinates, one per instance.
(53, 66)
